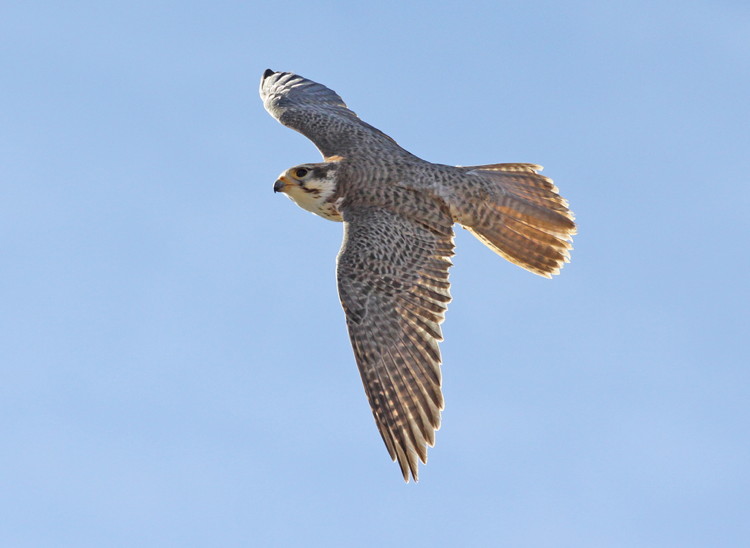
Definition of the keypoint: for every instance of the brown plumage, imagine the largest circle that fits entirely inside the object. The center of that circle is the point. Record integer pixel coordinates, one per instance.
(398, 213)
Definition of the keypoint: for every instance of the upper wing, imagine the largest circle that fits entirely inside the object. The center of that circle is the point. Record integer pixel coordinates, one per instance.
(393, 284)
(320, 115)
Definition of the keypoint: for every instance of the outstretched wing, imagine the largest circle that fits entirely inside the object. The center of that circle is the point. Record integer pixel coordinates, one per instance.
(393, 284)
(322, 116)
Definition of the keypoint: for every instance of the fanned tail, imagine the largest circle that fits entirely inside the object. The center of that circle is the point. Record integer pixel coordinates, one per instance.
(517, 213)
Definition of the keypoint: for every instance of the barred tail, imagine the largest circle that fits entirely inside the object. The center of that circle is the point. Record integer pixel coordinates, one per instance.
(517, 213)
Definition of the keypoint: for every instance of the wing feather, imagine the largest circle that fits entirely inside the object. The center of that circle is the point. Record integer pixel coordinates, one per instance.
(393, 284)
(321, 115)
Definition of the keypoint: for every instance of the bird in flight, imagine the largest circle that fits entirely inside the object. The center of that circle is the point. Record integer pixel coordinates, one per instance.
(392, 271)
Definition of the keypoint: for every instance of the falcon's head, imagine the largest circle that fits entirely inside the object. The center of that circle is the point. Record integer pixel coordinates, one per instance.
(312, 187)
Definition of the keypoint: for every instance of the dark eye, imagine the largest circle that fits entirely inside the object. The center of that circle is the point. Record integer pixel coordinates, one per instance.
(301, 172)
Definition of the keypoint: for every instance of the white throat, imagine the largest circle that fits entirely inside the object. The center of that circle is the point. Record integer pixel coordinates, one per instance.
(314, 196)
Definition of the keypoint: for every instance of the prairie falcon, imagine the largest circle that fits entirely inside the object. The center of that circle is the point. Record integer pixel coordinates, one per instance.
(398, 213)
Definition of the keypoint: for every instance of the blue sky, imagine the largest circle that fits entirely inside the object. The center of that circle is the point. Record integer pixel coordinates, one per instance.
(175, 369)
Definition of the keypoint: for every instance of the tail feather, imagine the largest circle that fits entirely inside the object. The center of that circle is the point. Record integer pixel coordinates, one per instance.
(538, 258)
(517, 213)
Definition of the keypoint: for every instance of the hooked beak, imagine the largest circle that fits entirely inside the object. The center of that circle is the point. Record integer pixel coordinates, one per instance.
(280, 185)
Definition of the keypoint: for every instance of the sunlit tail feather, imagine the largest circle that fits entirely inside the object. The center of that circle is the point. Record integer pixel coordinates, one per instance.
(517, 213)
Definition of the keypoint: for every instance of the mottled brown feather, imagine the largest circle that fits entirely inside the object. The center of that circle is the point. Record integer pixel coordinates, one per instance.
(394, 323)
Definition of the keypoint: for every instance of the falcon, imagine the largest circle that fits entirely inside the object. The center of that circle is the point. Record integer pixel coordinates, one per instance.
(392, 271)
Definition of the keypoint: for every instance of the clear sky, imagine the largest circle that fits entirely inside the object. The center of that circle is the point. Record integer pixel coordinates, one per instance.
(174, 364)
